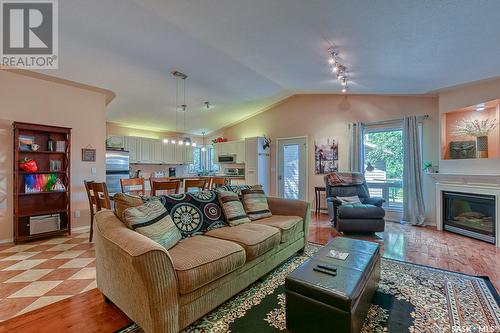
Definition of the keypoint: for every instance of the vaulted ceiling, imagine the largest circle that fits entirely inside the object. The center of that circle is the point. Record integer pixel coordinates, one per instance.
(245, 55)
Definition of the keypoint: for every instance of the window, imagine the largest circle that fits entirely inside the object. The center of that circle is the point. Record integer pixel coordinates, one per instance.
(203, 162)
(211, 165)
(197, 165)
(383, 163)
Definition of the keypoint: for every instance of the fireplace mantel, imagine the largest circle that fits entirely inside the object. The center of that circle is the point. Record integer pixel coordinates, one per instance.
(482, 180)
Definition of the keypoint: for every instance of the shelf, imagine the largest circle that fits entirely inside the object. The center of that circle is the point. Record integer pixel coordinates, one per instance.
(38, 193)
(41, 172)
(42, 235)
(43, 212)
(41, 152)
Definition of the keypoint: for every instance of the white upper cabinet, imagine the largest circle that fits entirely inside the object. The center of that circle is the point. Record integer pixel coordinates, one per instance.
(189, 155)
(168, 153)
(236, 148)
(240, 151)
(179, 154)
(133, 146)
(153, 151)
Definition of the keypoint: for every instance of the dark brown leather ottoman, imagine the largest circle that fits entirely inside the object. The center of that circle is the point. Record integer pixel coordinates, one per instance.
(317, 302)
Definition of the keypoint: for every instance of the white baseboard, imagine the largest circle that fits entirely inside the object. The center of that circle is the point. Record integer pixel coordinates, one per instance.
(77, 230)
(8, 240)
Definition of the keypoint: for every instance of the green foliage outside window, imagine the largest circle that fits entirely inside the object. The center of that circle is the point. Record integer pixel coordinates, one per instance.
(386, 146)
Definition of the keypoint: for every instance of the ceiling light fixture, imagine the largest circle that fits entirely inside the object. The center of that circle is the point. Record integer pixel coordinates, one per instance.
(337, 68)
(181, 108)
(203, 148)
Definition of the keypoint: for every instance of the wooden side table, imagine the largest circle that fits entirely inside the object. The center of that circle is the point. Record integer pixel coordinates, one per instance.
(317, 197)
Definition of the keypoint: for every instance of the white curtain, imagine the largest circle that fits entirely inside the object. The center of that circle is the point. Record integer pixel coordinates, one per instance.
(413, 206)
(355, 147)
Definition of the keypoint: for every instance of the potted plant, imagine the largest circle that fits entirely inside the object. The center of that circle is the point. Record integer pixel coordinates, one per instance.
(478, 129)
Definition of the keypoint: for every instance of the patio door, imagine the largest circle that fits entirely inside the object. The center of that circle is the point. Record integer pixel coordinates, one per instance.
(292, 168)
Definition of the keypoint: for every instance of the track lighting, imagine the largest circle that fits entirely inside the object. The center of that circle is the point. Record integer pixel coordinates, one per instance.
(338, 69)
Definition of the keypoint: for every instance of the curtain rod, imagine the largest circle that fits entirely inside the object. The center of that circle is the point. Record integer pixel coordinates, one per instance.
(419, 118)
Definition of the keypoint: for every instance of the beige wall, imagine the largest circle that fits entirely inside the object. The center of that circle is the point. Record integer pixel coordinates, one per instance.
(320, 116)
(33, 100)
(461, 97)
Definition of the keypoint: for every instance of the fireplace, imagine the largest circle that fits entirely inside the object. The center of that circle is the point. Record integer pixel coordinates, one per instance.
(471, 215)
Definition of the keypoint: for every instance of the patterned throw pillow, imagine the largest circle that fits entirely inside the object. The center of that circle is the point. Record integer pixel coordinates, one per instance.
(350, 200)
(238, 188)
(233, 208)
(152, 220)
(255, 203)
(123, 201)
(194, 213)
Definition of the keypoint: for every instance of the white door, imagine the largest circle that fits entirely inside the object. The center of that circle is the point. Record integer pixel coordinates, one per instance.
(292, 168)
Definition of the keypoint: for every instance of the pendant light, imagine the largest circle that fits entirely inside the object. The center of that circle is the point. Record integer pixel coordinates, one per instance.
(203, 148)
(181, 141)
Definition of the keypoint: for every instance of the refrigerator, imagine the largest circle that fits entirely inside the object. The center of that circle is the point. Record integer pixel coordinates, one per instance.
(117, 167)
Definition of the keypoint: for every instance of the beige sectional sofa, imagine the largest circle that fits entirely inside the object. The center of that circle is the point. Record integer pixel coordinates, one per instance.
(165, 291)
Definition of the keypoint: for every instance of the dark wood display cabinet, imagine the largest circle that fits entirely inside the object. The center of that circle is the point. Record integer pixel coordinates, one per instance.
(42, 173)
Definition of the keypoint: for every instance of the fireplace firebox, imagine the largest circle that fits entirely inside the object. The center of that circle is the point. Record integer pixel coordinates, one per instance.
(471, 215)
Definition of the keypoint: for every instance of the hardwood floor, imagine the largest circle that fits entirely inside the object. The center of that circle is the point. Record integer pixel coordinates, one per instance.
(87, 312)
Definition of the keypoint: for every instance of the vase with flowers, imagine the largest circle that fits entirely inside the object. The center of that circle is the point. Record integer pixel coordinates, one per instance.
(478, 129)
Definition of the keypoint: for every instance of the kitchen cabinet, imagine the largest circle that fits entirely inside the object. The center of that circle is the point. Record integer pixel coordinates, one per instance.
(179, 154)
(189, 155)
(240, 148)
(168, 151)
(115, 141)
(133, 146)
(236, 148)
(151, 151)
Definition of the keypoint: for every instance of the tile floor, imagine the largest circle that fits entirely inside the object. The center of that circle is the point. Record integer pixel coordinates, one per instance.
(39, 273)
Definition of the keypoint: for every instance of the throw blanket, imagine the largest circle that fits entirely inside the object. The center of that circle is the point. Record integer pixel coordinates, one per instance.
(345, 178)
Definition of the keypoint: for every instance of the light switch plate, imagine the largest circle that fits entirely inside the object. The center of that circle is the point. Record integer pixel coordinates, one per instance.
(93, 170)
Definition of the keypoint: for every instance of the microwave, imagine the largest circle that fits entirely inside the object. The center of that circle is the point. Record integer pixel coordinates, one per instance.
(227, 159)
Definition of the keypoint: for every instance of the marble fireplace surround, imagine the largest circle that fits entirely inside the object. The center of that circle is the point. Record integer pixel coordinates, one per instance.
(468, 184)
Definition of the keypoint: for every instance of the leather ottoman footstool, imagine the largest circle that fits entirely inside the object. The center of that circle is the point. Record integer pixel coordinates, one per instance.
(318, 302)
(360, 218)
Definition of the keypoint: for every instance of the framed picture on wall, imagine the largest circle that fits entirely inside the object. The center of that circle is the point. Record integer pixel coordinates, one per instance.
(88, 155)
(326, 156)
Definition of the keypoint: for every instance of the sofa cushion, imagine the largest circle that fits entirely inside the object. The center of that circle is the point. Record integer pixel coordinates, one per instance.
(233, 208)
(289, 226)
(152, 220)
(123, 201)
(194, 212)
(255, 203)
(360, 211)
(200, 260)
(255, 238)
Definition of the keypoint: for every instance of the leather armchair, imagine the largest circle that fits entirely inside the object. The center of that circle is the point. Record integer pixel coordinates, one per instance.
(365, 217)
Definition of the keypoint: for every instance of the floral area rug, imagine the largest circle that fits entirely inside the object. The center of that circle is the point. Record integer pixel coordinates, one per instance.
(410, 298)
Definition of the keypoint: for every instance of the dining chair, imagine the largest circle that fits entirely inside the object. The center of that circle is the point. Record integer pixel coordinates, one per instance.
(194, 183)
(92, 204)
(99, 197)
(158, 179)
(216, 182)
(166, 187)
(133, 186)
